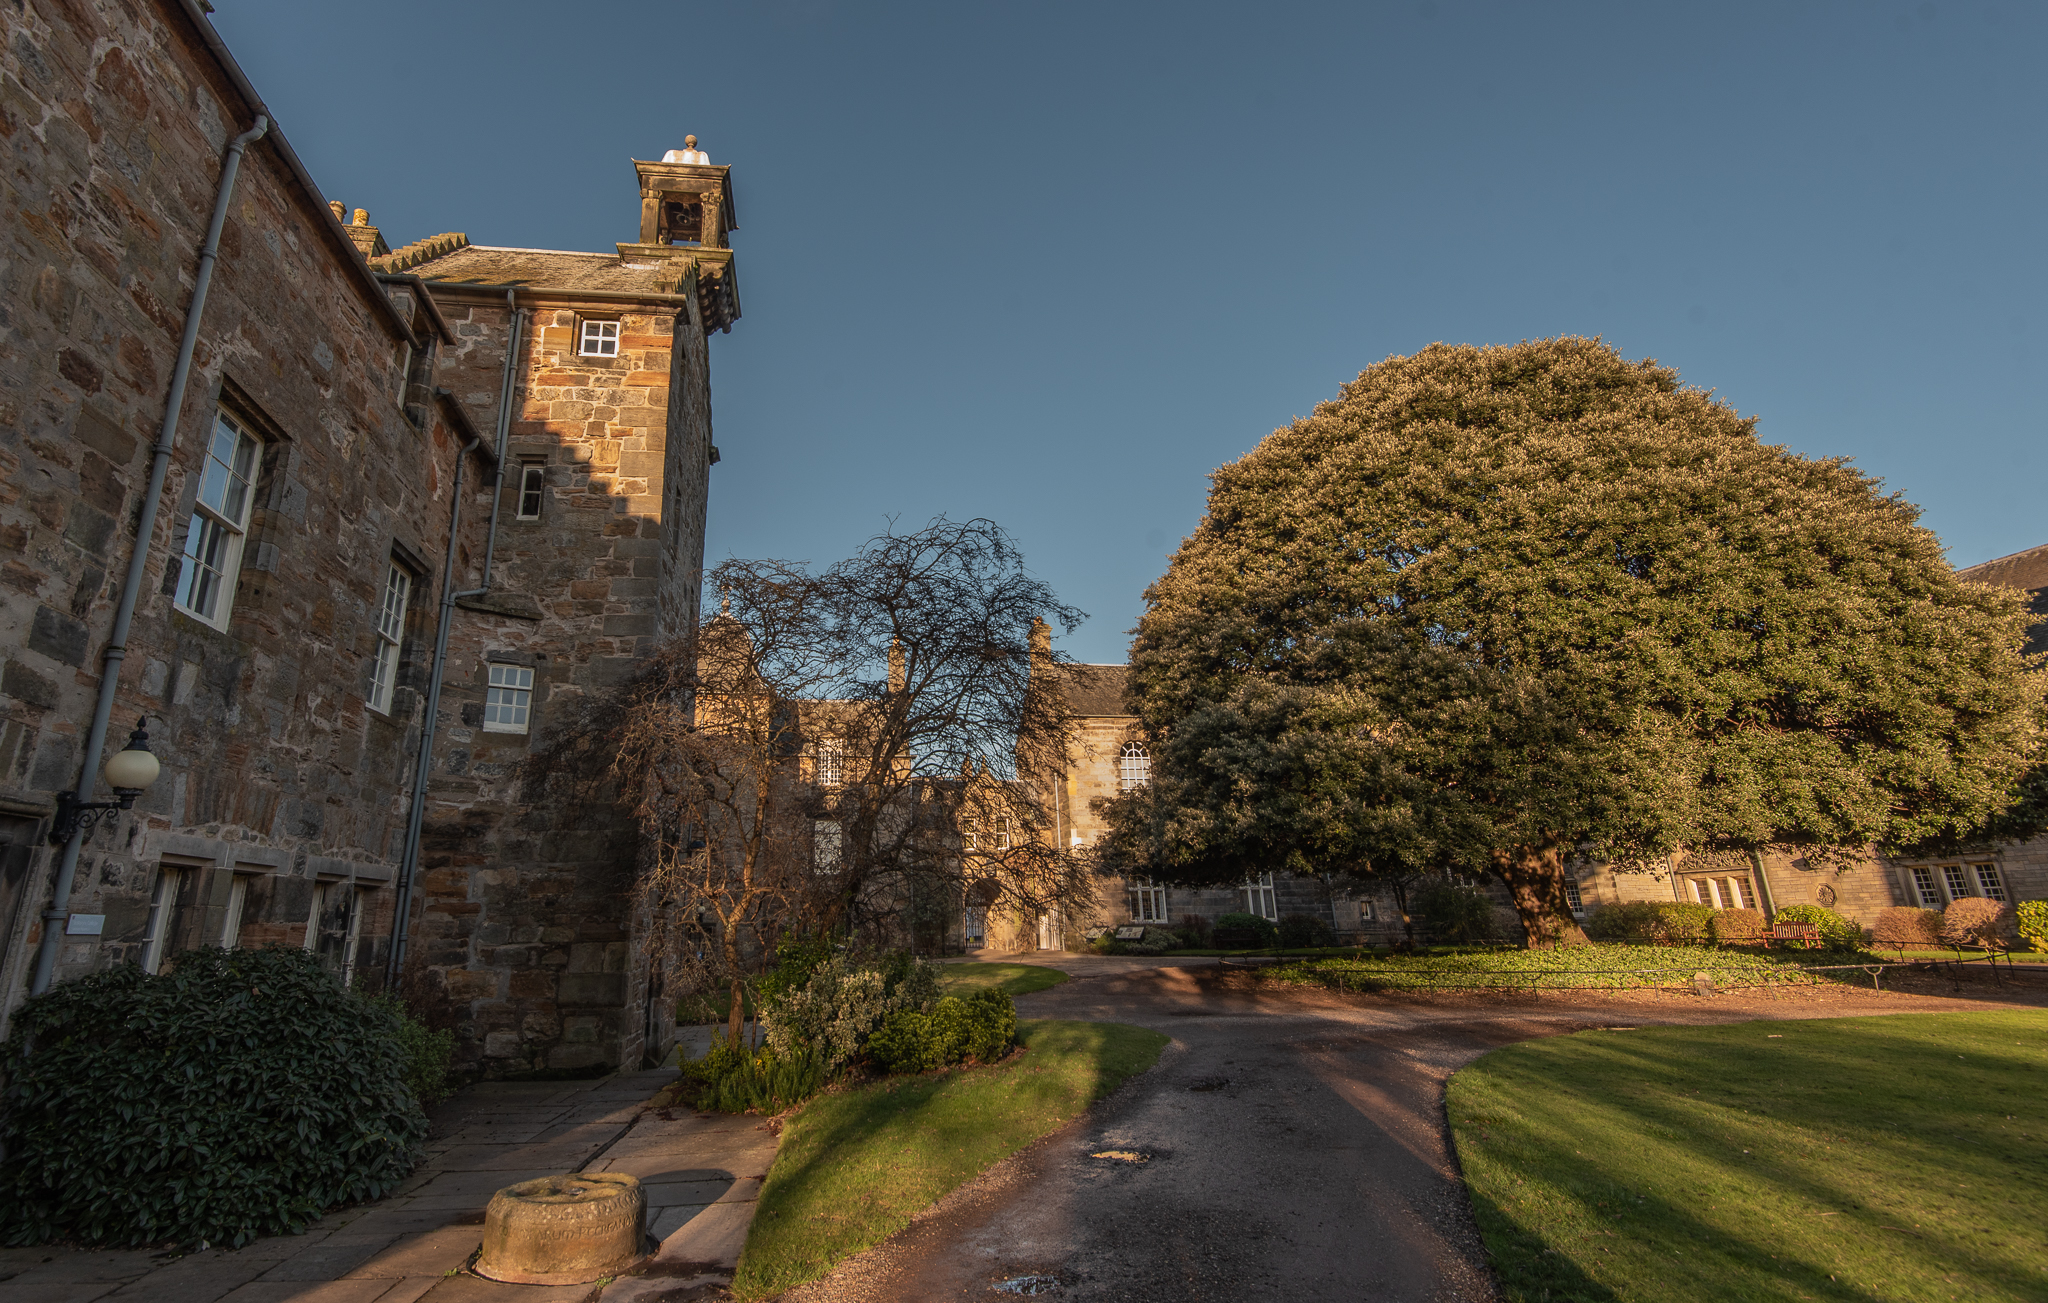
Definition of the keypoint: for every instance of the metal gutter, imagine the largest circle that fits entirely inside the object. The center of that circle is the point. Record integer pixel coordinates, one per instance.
(352, 259)
(401, 928)
(138, 559)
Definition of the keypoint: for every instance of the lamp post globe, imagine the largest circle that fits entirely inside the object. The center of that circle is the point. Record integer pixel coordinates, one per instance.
(133, 768)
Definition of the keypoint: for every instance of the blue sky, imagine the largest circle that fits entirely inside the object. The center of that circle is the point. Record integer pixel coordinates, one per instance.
(1054, 263)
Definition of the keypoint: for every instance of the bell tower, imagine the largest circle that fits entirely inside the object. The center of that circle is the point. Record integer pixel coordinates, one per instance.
(686, 213)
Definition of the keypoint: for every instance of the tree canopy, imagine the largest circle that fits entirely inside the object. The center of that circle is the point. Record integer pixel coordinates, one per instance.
(1493, 606)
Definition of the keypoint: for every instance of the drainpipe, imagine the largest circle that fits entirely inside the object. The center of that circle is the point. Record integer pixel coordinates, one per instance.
(138, 560)
(409, 863)
(408, 868)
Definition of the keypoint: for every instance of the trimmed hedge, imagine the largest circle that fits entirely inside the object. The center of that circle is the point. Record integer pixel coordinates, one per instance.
(1737, 926)
(1975, 921)
(1269, 936)
(240, 1093)
(980, 1027)
(2032, 916)
(1902, 926)
(1836, 932)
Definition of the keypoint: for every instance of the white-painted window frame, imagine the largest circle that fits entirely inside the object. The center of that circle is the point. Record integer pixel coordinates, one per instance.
(390, 636)
(508, 698)
(593, 330)
(533, 491)
(1990, 884)
(218, 528)
(1134, 767)
(1147, 900)
(1260, 898)
(163, 903)
(231, 917)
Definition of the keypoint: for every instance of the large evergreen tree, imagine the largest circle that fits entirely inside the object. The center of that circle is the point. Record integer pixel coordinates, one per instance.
(1492, 606)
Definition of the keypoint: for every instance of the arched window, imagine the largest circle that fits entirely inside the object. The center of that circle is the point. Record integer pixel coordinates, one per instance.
(1134, 768)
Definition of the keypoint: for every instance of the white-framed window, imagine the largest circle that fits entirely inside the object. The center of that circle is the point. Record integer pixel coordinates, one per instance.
(1006, 832)
(508, 701)
(231, 919)
(599, 339)
(1722, 893)
(334, 928)
(970, 832)
(1572, 897)
(1924, 888)
(533, 490)
(826, 845)
(1148, 901)
(1952, 878)
(163, 902)
(352, 934)
(1367, 911)
(390, 632)
(1134, 767)
(220, 521)
(1989, 884)
(1258, 898)
(831, 761)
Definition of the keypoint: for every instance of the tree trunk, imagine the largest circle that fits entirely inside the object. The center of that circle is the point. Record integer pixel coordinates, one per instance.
(732, 1019)
(1535, 880)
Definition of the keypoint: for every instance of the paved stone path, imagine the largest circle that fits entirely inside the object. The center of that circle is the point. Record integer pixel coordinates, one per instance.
(702, 1174)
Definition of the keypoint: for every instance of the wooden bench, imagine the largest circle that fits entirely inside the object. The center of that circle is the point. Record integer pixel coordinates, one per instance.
(1807, 934)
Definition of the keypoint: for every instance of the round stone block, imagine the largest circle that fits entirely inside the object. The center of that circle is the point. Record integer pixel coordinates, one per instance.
(563, 1230)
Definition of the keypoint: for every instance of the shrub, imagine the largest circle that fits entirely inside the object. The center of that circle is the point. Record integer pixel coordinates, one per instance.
(1836, 932)
(1975, 921)
(980, 1027)
(1637, 922)
(1192, 932)
(240, 1093)
(427, 1053)
(1736, 926)
(1454, 913)
(1240, 922)
(2032, 918)
(1903, 926)
(732, 1080)
(834, 1005)
(1300, 931)
(1686, 923)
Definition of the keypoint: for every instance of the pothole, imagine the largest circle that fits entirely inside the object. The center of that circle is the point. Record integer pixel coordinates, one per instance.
(1123, 1156)
(1027, 1285)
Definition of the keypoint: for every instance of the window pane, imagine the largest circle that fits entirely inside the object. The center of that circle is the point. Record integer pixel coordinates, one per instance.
(1989, 882)
(1923, 885)
(391, 619)
(206, 547)
(1958, 887)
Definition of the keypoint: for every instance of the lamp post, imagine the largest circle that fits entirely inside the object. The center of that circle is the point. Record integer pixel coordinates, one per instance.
(129, 772)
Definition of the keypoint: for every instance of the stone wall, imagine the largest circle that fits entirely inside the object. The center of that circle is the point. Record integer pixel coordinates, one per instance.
(113, 120)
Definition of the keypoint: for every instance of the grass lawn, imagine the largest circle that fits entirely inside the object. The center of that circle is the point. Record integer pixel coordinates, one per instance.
(854, 1165)
(1595, 966)
(1017, 979)
(1900, 1159)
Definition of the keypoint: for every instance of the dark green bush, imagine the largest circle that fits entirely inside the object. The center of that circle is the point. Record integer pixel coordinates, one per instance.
(979, 1028)
(427, 1053)
(733, 1080)
(1836, 932)
(1299, 931)
(1654, 922)
(1454, 913)
(1192, 932)
(240, 1093)
(1269, 935)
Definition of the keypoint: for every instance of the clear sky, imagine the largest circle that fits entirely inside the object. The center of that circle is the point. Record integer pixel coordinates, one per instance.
(1054, 263)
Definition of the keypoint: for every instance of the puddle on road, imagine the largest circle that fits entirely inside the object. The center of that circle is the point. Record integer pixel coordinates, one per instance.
(1123, 1156)
(1027, 1285)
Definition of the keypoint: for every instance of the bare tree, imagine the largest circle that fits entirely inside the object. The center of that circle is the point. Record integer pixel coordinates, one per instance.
(851, 751)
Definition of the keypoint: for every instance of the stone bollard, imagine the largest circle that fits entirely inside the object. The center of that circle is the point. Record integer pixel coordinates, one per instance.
(563, 1230)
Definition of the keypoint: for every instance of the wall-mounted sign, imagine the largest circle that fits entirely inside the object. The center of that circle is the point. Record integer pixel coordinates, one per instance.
(85, 925)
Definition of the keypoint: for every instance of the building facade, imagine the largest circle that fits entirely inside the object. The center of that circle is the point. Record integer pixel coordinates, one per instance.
(448, 473)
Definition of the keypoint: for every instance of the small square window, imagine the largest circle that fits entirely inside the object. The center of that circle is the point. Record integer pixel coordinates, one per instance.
(533, 488)
(508, 703)
(600, 339)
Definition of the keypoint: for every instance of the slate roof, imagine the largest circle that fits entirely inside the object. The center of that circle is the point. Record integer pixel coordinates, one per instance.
(557, 269)
(2026, 570)
(1095, 689)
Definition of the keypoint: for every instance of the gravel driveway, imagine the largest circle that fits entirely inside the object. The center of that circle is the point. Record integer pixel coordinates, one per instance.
(1289, 1145)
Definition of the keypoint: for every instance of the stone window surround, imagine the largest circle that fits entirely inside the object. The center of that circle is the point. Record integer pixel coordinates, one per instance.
(585, 337)
(1931, 884)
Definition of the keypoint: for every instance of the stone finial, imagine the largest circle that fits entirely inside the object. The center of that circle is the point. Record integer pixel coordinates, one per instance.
(340, 213)
(689, 153)
(362, 217)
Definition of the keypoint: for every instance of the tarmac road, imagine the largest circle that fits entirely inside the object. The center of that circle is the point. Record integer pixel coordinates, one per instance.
(1291, 1145)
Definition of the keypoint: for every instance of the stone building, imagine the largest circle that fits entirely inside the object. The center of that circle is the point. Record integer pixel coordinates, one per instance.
(446, 474)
